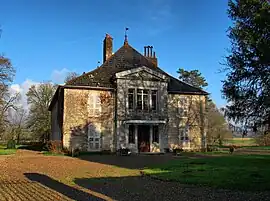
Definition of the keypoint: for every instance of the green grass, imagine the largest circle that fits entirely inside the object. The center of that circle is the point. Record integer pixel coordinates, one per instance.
(4, 151)
(258, 147)
(243, 172)
(240, 142)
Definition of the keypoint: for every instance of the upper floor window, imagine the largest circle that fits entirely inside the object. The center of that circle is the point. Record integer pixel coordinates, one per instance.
(131, 97)
(142, 99)
(94, 104)
(154, 99)
(183, 107)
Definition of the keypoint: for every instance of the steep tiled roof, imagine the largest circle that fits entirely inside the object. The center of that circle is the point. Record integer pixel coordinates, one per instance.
(124, 59)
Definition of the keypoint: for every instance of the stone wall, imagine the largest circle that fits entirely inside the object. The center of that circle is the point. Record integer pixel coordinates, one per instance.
(77, 118)
(193, 121)
(56, 131)
(142, 80)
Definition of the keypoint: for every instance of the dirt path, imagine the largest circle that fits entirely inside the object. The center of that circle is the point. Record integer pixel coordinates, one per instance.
(31, 176)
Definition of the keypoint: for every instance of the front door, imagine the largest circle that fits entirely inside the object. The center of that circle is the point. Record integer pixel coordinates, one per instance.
(144, 138)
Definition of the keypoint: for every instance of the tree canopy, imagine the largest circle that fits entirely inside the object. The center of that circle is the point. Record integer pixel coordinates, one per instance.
(217, 128)
(39, 98)
(247, 84)
(70, 76)
(193, 77)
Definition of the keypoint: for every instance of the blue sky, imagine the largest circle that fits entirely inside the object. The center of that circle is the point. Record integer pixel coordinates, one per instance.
(47, 38)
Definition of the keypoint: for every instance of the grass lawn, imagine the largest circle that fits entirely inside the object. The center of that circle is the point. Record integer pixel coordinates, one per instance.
(240, 142)
(258, 147)
(243, 172)
(4, 151)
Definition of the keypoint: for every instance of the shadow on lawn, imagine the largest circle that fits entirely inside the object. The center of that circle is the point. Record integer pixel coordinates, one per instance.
(66, 190)
(130, 162)
(132, 188)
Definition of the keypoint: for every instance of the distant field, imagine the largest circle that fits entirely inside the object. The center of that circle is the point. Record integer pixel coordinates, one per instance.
(241, 142)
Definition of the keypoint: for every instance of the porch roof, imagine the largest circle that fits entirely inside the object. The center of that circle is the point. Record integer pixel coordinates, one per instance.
(135, 121)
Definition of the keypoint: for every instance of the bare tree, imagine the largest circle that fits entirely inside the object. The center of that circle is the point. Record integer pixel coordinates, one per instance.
(39, 120)
(70, 76)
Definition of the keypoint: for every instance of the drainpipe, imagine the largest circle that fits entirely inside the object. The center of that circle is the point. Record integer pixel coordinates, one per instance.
(115, 120)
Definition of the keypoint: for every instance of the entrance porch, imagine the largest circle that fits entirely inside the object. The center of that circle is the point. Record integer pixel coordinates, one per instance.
(144, 137)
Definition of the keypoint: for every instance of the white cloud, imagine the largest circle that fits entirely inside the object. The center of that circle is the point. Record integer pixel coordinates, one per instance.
(58, 76)
(23, 89)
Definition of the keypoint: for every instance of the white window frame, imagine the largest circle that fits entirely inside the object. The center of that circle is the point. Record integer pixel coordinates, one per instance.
(182, 107)
(184, 132)
(94, 137)
(134, 99)
(94, 105)
(149, 99)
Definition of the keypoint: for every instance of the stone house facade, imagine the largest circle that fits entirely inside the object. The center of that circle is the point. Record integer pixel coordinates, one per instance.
(128, 102)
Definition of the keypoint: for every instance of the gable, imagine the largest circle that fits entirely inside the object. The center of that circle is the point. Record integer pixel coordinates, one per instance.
(141, 73)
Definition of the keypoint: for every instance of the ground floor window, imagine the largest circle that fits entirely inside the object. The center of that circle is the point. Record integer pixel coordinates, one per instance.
(94, 136)
(184, 134)
(131, 134)
(155, 134)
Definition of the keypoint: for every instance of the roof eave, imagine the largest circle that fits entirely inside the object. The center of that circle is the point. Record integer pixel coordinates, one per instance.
(54, 99)
(189, 92)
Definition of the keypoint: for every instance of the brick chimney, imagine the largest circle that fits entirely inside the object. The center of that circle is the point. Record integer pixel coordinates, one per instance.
(149, 54)
(107, 47)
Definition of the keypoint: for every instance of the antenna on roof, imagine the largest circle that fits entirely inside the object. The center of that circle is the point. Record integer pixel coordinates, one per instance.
(126, 39)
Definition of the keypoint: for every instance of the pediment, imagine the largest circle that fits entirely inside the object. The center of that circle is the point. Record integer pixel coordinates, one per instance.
(141, 73)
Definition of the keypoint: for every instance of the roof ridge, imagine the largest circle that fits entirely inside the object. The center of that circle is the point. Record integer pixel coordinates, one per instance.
(102, 65)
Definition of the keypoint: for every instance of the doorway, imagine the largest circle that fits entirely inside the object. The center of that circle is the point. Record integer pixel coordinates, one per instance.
(144, 138)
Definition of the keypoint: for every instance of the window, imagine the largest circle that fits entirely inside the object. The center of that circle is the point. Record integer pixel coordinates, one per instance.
(131, 134)
(142, 99)
(145, 99)
(94, 104)
(155, 134)
(183, 107)
(131, 99)
(94, 131)
(139, 99)
(154, 99)
(184, 134)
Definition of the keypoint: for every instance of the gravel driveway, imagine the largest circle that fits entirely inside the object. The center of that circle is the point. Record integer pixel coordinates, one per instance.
(31, 176)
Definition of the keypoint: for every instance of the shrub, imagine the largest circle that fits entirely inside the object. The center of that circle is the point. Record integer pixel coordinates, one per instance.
(232, 149)
(55, 146)
(11, 144)
(123, 152)
(177, 151)
(263, 139)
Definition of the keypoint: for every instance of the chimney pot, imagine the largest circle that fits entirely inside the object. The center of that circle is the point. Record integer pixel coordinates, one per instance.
(151, 51)
(144, 53)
